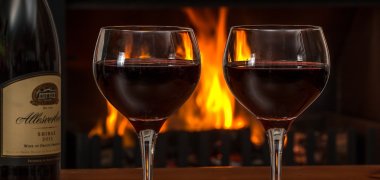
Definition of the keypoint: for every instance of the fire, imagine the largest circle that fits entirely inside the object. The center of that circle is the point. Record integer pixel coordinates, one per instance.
(144, 54)
(115, 123)
(185, 51)
(243, 52)
(212, 106)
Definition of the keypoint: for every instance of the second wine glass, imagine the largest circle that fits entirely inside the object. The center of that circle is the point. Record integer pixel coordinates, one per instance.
(147, 73)
(276, 72)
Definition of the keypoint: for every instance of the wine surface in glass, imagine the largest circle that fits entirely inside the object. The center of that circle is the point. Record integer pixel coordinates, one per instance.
(276, 91)
(147, 91)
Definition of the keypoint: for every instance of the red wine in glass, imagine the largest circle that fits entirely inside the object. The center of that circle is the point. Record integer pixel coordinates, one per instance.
(147, 91)
(147, 73)
(276, 72)
(276, 91)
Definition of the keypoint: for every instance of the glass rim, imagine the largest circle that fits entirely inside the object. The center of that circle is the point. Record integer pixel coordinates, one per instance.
(277, 27)
(147, 28)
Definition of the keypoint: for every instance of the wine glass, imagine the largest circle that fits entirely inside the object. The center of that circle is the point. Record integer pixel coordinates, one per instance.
(276, 72)
(147, 73)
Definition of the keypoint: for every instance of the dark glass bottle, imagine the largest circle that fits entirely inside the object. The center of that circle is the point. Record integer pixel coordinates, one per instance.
(30, 92)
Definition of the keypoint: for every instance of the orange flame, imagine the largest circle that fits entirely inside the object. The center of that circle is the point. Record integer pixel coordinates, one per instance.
(214, 100)
(142, 54)
(186, 50)
(115, 123)
(212, 105)
(243, 52)
(111, 119)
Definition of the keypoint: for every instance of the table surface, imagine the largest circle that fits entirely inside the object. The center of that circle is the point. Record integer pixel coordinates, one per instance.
(227, 173)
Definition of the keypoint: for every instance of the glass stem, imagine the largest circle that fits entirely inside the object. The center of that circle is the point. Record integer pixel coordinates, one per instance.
(147, 141)
(276, 144)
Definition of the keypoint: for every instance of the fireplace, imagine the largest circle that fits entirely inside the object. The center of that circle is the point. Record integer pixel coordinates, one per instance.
(342, 120)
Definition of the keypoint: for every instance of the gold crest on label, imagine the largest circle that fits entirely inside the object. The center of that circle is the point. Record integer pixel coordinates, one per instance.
(45, 94)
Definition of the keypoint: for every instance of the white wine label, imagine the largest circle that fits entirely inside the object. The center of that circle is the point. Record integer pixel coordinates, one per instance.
(31, 117)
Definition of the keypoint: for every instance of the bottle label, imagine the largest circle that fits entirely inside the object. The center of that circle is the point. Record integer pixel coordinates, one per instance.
(31, 117)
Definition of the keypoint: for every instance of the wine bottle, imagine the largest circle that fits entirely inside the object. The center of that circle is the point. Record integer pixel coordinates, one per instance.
(30, 92)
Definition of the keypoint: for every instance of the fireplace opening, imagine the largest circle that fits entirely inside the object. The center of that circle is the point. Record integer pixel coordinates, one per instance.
(212, 128)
